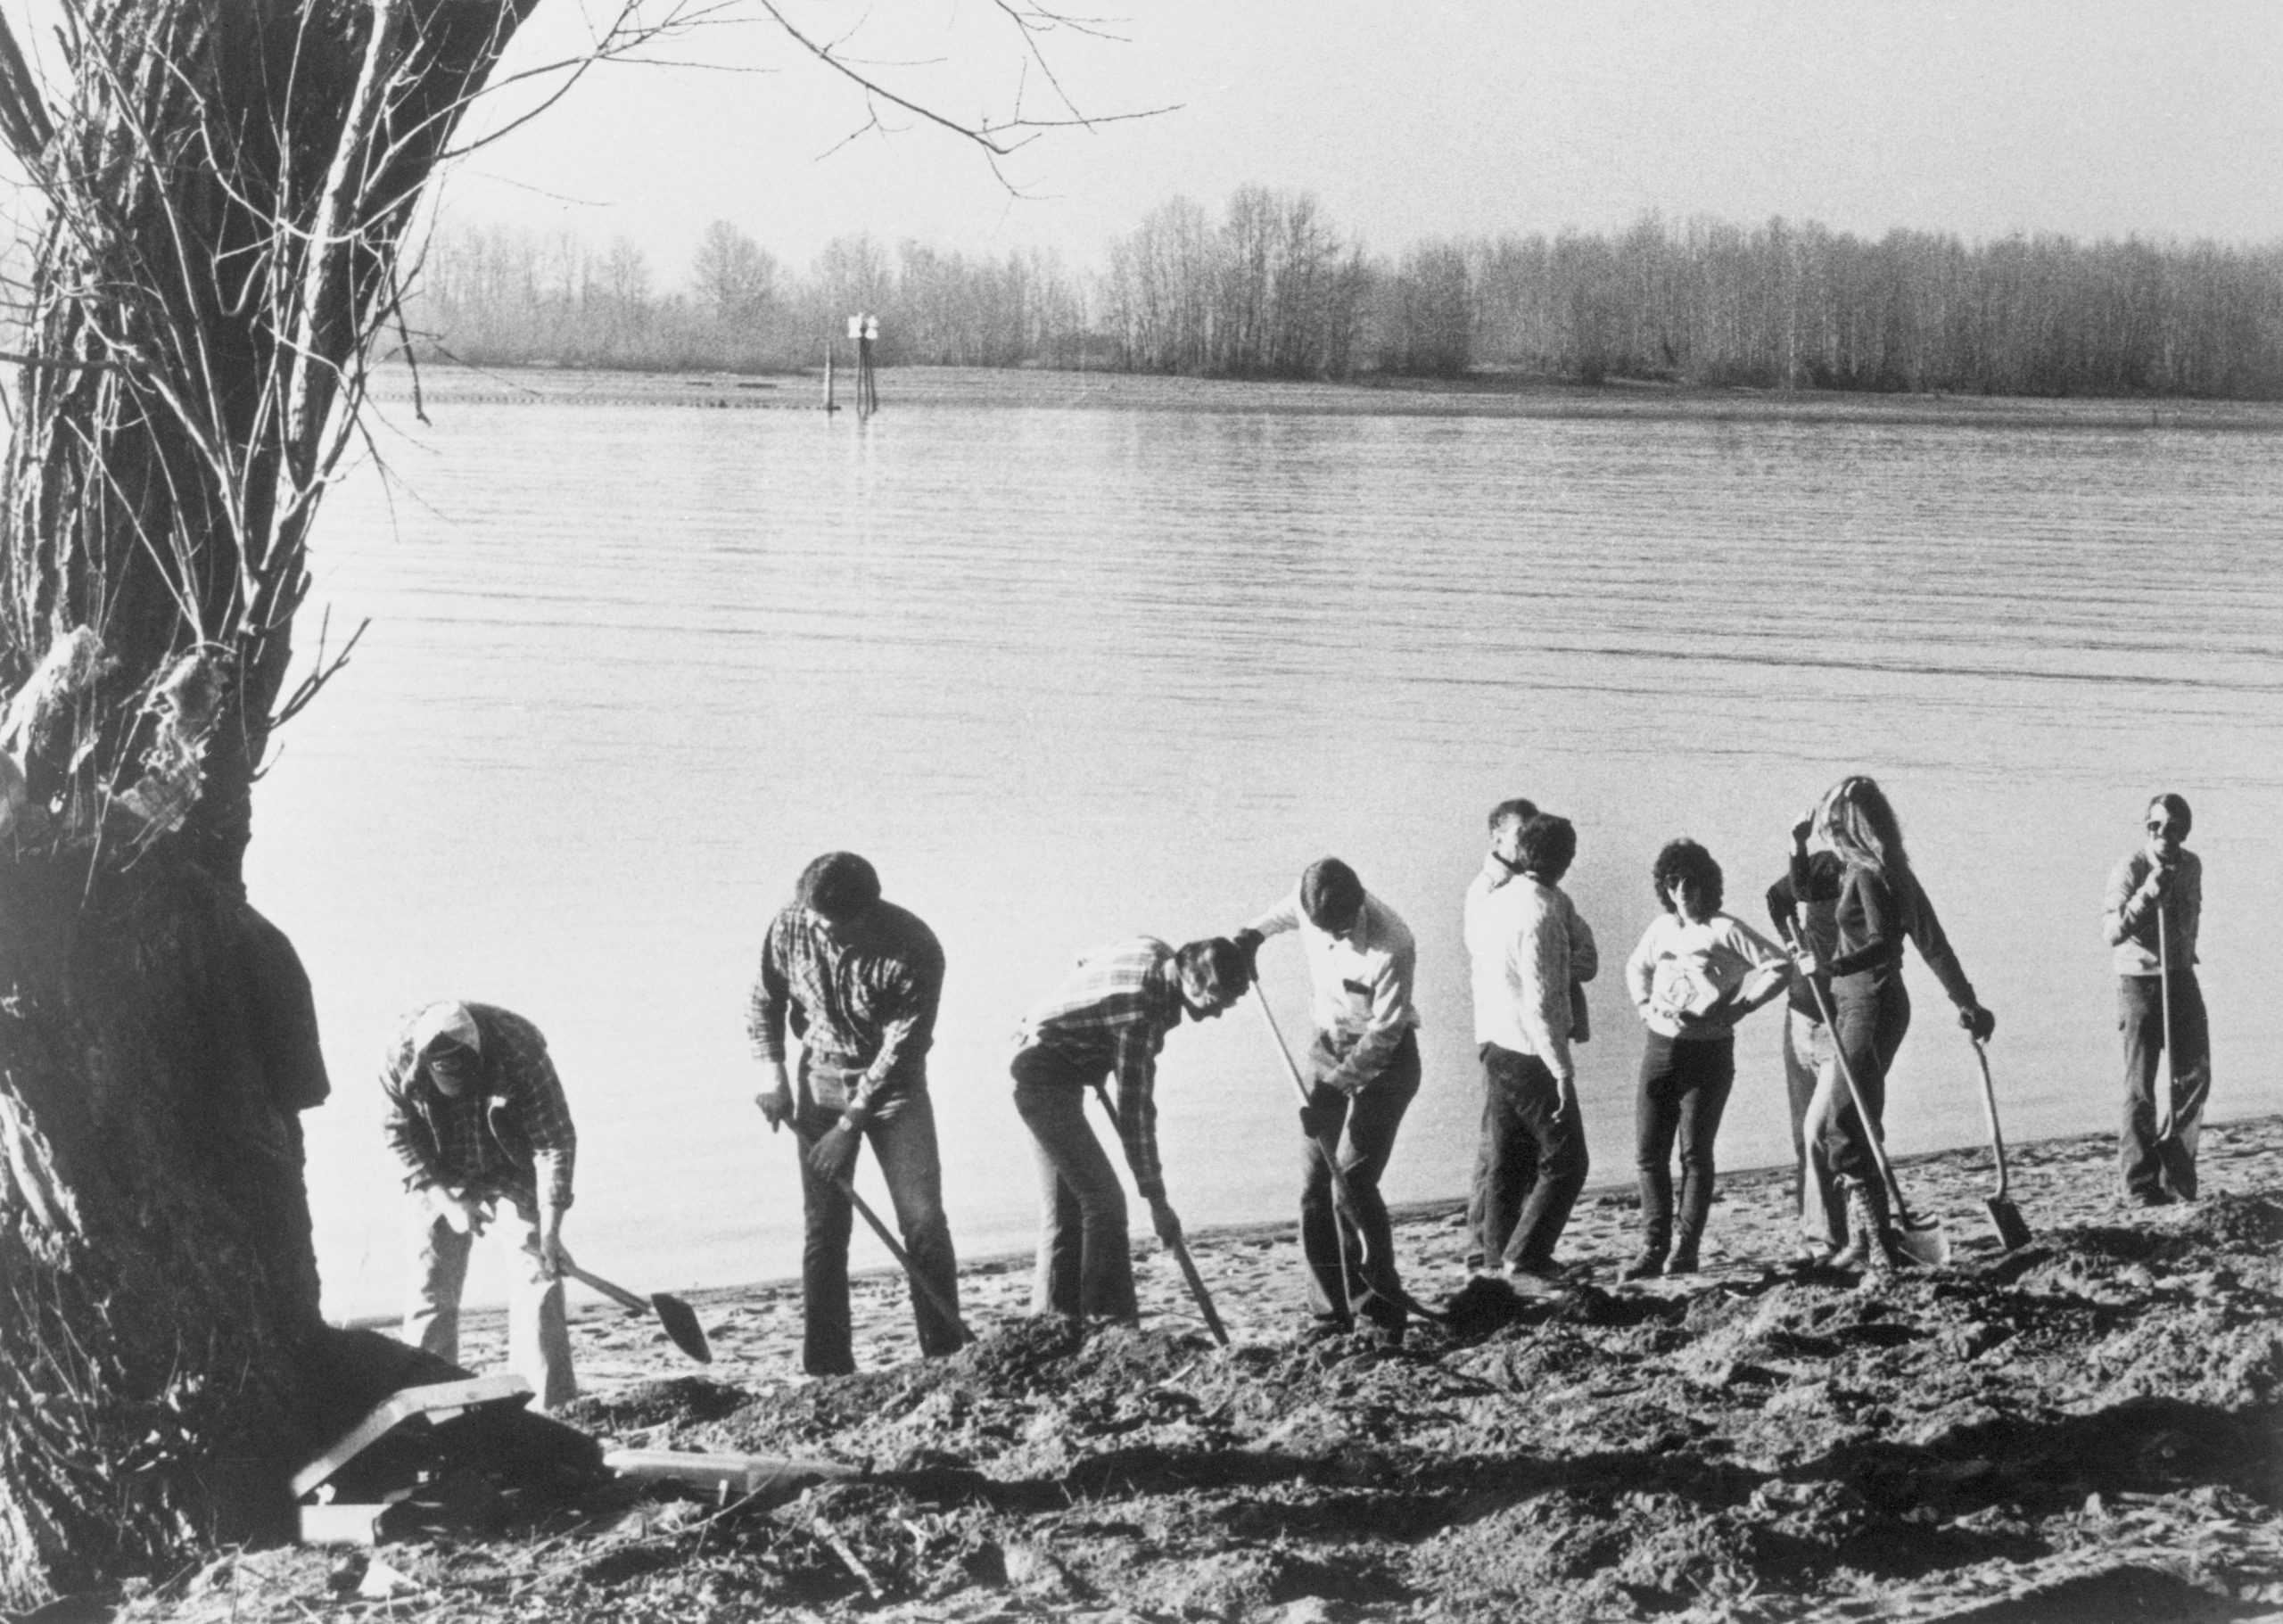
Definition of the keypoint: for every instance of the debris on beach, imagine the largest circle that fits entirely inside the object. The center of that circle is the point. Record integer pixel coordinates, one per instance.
(2083, 1427)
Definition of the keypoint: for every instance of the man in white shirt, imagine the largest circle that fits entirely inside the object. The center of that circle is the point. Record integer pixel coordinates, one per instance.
(1529, 949)
(1363, 1070)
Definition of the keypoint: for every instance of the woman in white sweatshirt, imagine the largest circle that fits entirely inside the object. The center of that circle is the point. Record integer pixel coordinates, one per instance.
(1697, 972)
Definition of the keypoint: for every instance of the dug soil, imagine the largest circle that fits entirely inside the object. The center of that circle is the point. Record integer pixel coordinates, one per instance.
(2085, 1428)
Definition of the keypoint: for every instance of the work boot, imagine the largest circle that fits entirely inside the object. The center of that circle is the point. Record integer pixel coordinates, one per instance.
(1867, 1225)
(1683, 1258)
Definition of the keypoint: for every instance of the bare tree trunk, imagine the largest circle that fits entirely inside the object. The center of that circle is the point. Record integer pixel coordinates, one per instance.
(228, 181)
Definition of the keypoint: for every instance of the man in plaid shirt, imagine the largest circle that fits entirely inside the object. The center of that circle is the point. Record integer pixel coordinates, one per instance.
(1108, 1017)
(477, 1117)
(856, 980)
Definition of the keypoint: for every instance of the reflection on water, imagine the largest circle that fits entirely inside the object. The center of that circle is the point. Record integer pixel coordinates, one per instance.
(1066, 675)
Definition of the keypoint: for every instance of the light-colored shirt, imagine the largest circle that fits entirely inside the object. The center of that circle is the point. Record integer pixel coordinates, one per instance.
(1362, 984)
(1530, 947)
(2131, 924)
(1683, 967)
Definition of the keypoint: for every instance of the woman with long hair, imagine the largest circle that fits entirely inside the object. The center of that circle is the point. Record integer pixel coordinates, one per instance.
(1881, 904)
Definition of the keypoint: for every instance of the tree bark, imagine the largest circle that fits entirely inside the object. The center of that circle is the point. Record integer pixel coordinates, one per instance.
(229, 181)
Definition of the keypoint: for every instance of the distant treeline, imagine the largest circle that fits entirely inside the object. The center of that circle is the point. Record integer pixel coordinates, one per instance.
(1272, 289)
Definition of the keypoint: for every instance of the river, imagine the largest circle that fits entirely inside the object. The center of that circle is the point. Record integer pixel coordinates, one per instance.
(1066, 674)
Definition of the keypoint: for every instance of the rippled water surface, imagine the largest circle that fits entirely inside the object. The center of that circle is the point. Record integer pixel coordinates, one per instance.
(1066, 675)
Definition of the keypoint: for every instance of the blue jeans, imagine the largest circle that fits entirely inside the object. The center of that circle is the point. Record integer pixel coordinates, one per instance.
(1538, 1164)
(901, 1134)
(1084, 1266)
(2153, 1170)
(1684, 1088)
(1341, 1285)
(1811, 1079)
(1870, 1015)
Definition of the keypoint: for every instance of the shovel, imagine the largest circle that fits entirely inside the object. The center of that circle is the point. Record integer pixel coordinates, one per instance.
(2004, 1218)
(676, 1318)
(1923, 1242)
(1343, 1198)
(1180, 1250)
(2164, 1115)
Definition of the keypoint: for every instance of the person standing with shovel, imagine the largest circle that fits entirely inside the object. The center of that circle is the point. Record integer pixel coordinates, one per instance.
(1109, 1018)
(856, 980)
(1881, 904)
(1364, 1072)
(2152, 913)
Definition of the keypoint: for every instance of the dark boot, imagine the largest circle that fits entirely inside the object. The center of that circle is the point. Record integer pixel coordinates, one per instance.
(1682, 1260)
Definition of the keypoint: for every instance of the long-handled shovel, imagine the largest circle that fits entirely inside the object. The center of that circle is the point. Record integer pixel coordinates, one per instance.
(676, 1318)
(2164, 1072)
(1180, 1250)
(2013, 1230)
(1343, 1196)
(920, 1283)
(1925, 1242)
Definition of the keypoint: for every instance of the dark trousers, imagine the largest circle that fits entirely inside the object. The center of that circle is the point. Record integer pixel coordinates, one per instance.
(1353, 1273)
(1538, 1162)
(901, 1134)
(1084, 1265)
(2153, 1169)
(1685, 1086)
(1871, 1012)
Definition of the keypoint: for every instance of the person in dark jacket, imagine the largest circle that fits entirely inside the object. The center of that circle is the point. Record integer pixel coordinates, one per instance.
(477, 1117)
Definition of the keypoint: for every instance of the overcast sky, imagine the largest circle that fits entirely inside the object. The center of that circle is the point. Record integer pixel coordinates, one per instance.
(1422, 119)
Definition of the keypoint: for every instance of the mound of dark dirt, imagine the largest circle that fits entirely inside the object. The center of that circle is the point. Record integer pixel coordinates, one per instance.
(2089, 1422)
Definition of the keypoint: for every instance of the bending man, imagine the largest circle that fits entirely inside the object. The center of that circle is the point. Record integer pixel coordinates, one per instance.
(856, 980)
(1109, 1018)
(477, 1117)
(1364, 1072)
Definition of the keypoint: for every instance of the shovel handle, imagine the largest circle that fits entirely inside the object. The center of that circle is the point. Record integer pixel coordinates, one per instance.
(1871, 1135)
(1989, 1110)
(1180, 1250)
(617, 1294)
(911, 1271)
(2165, 1072)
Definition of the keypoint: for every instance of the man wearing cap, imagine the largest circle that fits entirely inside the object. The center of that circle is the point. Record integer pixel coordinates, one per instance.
(477, 1117)
(856, 980)
(1364, 1072)
(1109, 1018)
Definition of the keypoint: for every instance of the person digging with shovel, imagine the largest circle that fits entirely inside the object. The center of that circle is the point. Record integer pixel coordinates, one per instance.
(1107, 1018)
(856, 980)
(477, 1117)
(2153, 910)
(1881, 904)
(1364, 1072)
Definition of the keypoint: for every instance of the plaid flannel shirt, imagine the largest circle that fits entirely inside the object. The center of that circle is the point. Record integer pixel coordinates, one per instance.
(859, 999)
(1112, 1016)
(505, 1137)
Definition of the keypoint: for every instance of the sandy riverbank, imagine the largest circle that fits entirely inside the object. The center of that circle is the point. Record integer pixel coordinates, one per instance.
(2083, 1428)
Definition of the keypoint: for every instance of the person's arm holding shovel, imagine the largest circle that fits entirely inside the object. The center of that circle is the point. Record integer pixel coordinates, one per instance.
(1136, 1067)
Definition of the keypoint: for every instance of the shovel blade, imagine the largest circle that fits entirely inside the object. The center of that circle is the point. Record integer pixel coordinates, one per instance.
(1924, 1243)
(2006, 1218)
(679, 1320)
